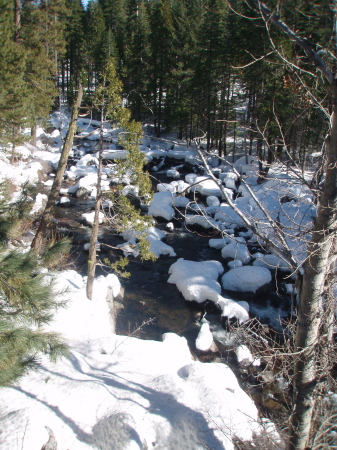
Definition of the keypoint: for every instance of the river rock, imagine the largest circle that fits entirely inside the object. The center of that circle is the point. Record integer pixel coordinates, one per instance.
(246, 279)
(82, 192)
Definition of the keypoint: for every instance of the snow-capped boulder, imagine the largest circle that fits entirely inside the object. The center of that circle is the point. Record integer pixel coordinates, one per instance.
(237, 250)
(161, 206)
(246, 279)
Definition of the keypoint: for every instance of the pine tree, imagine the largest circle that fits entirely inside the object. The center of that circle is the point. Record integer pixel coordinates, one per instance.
(180, 98)
(137, 59)
(115, 14)
(74, 61)
(40, 68)
(27, 303)
(14, 99)
(95, 42)
(109, 101)
(211, 65)
(162, 35)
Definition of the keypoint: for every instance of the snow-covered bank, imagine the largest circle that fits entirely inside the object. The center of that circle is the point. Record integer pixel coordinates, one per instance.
(121, 392)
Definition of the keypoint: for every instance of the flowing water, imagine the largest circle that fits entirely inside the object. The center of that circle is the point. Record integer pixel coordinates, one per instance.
(147, 295)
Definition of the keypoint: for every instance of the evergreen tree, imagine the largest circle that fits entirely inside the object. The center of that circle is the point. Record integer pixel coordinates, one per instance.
(180, 98)
(40, 68)
(124, 216)
(115, 13)
(27, 303)
(162, 56)
(96, 33)
(74, 61)
(211, 65)
(14, 98)
(137, 58)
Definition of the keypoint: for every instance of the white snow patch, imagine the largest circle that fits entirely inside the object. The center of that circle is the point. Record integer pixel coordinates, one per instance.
(161, 206)
(246, 279)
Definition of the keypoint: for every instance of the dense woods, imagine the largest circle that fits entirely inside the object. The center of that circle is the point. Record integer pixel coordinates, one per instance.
(195, 67)
(237, 77)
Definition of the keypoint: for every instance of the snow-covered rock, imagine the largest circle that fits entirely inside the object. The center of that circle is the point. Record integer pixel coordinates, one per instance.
(245, 357)
(89, 217)
(204, 340)
(161, 206)
(246, 279)
(234, 264)
(237, 250)
(270, 261)
(212, 201)
(196, 280)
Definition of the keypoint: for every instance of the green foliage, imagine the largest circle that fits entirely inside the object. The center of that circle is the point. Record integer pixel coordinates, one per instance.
(119, 267)
(14, 102)
(125, 216)
(56, 253)
(76, 52)
(12, 218)
(27, 303)
(137, 59)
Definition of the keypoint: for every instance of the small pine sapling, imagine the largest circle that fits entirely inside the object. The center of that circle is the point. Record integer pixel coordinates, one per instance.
(27, 303)
(123, 215)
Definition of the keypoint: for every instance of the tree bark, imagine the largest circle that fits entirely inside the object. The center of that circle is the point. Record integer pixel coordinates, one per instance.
(316, 269)
(95, 226)
(42, 232)
(17, 20)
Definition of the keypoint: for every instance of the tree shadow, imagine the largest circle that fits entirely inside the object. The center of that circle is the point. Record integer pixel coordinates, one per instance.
(189, 429)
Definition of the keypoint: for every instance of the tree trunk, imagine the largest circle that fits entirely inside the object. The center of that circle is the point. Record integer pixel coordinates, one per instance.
(33, 135)
(41, 234)
(94, 233)
(316, 269)
(17, 20)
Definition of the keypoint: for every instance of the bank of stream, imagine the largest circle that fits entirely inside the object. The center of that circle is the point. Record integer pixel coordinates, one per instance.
(150, 307)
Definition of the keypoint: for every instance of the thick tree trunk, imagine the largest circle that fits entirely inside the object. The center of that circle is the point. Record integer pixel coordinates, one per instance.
(41, 234)
(316, 269)
(94, 233)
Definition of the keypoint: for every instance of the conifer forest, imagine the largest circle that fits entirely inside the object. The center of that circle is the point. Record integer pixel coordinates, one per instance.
(204, 134)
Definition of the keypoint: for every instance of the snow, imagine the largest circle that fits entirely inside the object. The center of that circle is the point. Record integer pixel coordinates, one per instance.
(237, 250)
(270, 261)
(153, 235)
(229, 179)
(89, 217)
(172, 173)
(208, 187)
(212, 201)
(218, 243)
(161, 206)
(234, 264)
(64, 201)
(246, 279)
(198, 281)
(245, 356)
(39, 203)
(180, 201)
(204, 340)
(121, 392)
(203, 221)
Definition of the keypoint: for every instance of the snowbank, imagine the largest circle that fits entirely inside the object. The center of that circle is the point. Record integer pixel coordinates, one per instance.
(120, 392)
